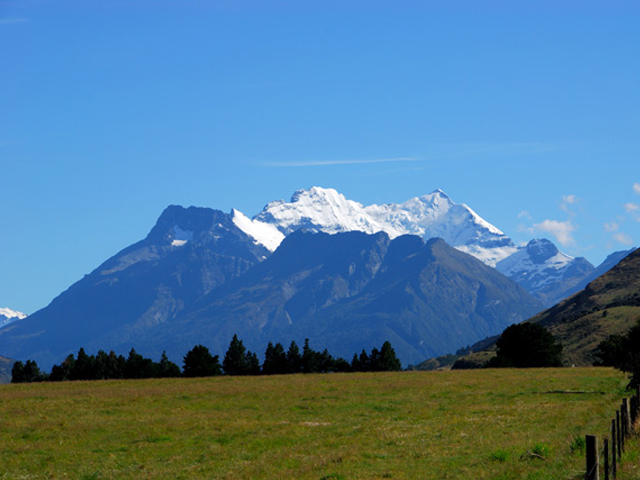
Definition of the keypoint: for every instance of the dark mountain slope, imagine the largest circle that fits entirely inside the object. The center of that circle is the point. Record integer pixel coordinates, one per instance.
(352, 291)
(427, 299)
(308, 272)
(187, 254)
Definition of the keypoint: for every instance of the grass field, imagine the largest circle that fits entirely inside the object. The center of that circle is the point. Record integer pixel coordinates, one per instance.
(490, 424)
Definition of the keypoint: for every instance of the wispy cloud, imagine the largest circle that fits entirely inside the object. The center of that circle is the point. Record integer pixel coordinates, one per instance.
(611, 227)
(623, 238)
(566, 201)
(12, 21)
(323, 163)
(636, 188)
(562, 231)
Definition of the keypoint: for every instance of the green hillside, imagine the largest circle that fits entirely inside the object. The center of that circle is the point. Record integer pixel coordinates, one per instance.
(609, 305)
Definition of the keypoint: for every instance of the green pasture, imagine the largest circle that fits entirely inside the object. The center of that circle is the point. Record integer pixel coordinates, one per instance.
(488, 424)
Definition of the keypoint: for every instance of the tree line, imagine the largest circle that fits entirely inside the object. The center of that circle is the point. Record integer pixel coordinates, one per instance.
(199, 362)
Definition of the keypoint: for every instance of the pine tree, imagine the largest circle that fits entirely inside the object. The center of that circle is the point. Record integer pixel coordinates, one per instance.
(526, 345)
(137, 366)
(17, 372)
(387, 359)
(198, 362)
(363, 363)
(268, 367)
(235, 360)
(63, 372)
(84, 367)
(26, 373)
(165, 368)
(253, 364)
(294, 358)
(309, 358)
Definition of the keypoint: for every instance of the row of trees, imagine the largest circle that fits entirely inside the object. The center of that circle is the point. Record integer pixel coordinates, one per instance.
(199, 362)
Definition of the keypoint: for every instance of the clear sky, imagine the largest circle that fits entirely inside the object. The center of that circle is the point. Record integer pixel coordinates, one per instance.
(527, 111)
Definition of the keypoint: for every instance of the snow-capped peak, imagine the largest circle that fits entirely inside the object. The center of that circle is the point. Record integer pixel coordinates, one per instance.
(540, 261)
(432, 215)
(8, 316)
(319, 209)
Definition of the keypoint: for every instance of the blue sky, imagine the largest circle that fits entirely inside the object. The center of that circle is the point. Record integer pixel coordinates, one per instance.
(528, 112)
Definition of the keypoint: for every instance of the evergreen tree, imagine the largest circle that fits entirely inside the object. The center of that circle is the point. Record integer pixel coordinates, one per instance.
(361, 363)
(63, 372)
(309, 358)
(387, 360)
(83, 367)
(527, 345)
(355, 363)
(325, 362)
(341, 365)
(137, 366)
(281, 365)
(294, 358)
(235, 360)
(198, 362)
(374, 360)
(26, 373)
(165, 368)
(114, 366)
(253, 364)
(17, 372)
(268, 367)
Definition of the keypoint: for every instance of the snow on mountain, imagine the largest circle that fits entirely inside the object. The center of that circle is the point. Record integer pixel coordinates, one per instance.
(429, 216)
(181, 237)
(321, 209)
(8, 316)
(263, 233)
(535, 262)
(541, 268)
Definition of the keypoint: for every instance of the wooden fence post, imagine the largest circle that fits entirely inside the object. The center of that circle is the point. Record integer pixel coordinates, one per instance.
(619, 434)
(593, 472)
(613, 449)
(627, 417)
(607, 467)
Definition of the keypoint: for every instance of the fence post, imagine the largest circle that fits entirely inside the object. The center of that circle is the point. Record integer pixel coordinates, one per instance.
(627, 419)
(592, 458)
(614, 444)
(606, 459)
(619, 434)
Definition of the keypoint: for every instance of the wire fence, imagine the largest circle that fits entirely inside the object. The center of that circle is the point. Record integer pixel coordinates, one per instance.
(607, 459)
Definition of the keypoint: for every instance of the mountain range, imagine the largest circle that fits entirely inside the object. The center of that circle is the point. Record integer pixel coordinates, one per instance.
(544, 271)
(429, 275)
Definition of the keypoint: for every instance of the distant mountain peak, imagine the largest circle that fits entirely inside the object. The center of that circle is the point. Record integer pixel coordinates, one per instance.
(541, 249)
